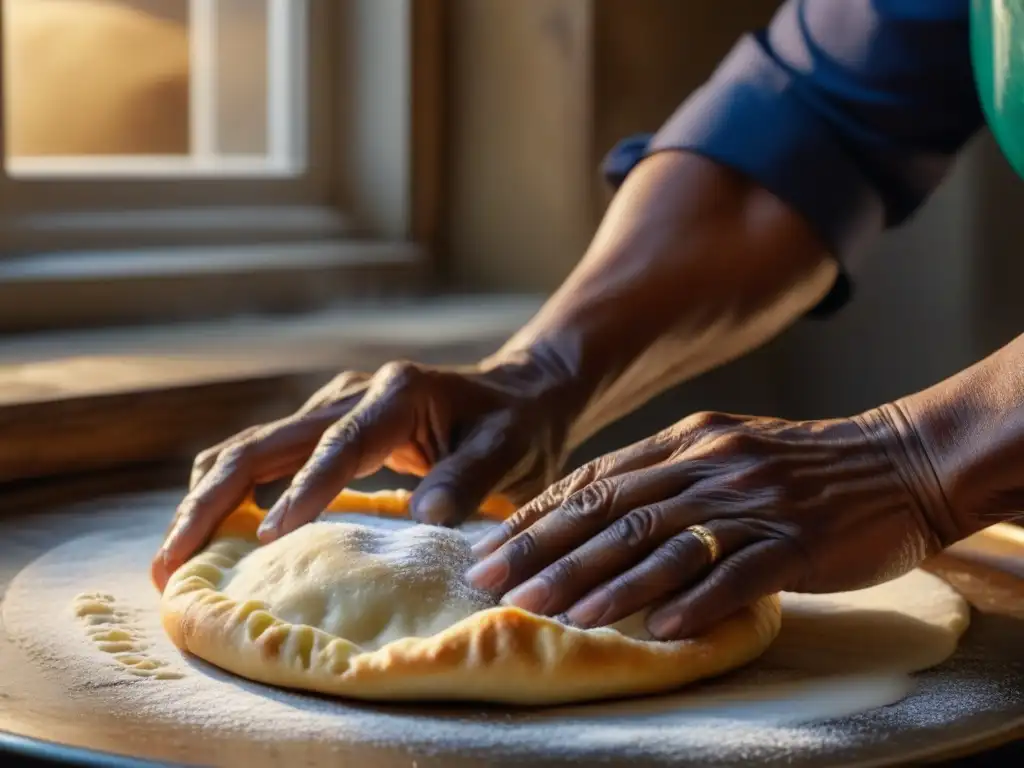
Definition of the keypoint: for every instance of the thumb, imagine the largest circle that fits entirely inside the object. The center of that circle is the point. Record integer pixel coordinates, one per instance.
(458, 484)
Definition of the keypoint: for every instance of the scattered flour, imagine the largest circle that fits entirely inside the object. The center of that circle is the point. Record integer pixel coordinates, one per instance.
(756, 715)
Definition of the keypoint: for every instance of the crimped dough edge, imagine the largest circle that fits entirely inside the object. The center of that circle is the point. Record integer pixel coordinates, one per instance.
(498, 655)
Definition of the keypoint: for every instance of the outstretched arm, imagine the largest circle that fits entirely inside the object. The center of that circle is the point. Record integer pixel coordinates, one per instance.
(693, 265)
(761, 193)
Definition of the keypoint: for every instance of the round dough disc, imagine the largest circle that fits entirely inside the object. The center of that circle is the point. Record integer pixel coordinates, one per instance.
(370, 613)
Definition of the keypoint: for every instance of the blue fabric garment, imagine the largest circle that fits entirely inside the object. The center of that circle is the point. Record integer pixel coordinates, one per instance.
(851, 111)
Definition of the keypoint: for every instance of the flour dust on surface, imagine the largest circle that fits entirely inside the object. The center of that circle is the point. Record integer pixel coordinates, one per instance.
(756, 711)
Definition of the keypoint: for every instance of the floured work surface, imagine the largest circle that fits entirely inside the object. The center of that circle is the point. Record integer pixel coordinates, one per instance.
(132, 693)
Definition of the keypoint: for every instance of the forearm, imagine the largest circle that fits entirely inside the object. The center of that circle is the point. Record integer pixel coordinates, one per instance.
(692, 266)
(970, 430)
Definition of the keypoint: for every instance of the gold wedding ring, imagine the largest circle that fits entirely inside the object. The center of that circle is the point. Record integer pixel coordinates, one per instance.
(709, 540)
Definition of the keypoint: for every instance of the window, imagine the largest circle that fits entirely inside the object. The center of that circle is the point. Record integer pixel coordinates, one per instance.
(260, 153)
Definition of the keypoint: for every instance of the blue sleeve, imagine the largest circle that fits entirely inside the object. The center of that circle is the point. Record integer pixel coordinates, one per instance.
(851, 111)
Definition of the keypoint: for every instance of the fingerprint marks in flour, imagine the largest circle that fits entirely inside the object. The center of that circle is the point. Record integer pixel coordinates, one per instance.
(112, 631)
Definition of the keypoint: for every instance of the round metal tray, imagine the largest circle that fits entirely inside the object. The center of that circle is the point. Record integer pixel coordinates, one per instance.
(41, 724)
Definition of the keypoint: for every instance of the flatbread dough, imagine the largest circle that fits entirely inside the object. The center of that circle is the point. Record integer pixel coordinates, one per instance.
(906, 625)
(360, 612)
(383, 613)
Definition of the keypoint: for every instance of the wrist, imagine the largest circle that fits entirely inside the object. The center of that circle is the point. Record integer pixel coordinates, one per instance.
(966, 437)
(890, 428)
(545, 372)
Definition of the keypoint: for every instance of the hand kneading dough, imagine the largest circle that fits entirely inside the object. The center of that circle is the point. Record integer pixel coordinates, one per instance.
(366, 613)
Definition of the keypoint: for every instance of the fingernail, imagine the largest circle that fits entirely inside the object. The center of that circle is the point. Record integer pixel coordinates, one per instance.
(665, 627)
(269, 527)
(588, 612)
(435, 507)
(162, 569)
(272, 522)
(488, 542)
(160, 562)
(488, 574)
(532, 596)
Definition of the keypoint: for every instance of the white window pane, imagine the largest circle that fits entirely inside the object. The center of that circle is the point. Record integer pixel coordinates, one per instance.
(153, 87)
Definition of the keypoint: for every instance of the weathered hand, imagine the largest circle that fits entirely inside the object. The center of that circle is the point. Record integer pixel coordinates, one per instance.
(473, 431)
(817, 506)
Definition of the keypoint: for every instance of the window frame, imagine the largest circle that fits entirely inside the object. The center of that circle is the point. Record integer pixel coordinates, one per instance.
(370, 193)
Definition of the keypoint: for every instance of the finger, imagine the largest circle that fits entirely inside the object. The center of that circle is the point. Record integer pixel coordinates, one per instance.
(357, 444)
(666, 569)
(350, 385)
(638, 456)
(276, 452)
(612, 550)
(205, 460)
(761, 569)
(458, 484)
(582, 516)
(343, 393)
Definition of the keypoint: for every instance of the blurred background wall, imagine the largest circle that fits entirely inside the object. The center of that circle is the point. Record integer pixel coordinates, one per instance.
(175, 10)
(541, 90)
(537, 91)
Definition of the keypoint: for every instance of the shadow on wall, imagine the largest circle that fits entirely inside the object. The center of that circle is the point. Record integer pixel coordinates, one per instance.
(88, 77)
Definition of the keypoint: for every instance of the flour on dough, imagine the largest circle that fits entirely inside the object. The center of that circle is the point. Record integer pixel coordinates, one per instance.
(362, 612)
(356, 611)
(760, 713)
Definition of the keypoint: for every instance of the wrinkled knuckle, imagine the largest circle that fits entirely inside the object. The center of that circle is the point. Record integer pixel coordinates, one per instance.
(526, 515)
(521, 547)
(639, 526)
(401, 375)
(579, 478)
(563, 570)
(587, 502)
(676, 550)
(705, 421)
(238, 454)
(340, 434)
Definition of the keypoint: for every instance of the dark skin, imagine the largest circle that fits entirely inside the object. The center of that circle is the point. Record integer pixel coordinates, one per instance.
(693, 266)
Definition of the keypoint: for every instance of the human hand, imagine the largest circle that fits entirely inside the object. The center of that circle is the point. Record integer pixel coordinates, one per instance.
(815, 506)
(499, 426)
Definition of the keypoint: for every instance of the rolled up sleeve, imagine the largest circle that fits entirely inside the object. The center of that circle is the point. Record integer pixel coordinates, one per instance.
(850, 111)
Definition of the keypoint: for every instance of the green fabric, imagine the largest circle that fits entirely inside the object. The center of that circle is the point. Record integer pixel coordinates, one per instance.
(997, 47)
